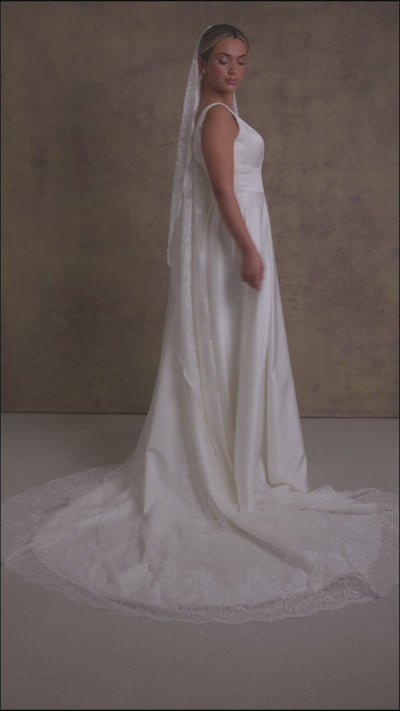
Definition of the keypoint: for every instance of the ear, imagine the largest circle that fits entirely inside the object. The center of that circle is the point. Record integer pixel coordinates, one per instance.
(201, 64)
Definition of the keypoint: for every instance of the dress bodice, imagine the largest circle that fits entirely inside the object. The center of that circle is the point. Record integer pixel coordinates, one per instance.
(248, 153)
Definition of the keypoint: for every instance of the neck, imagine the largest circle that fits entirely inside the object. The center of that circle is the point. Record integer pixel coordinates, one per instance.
(210, 97)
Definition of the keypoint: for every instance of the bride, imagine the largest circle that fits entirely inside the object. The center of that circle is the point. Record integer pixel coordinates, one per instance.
(211, 517)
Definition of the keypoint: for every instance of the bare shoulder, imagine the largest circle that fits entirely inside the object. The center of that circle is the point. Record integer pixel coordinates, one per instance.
(220, 118)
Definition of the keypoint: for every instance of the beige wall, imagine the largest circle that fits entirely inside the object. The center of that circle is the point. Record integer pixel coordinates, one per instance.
(92, 95)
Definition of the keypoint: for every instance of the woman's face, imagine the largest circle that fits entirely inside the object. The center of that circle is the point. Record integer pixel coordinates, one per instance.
(225, 66)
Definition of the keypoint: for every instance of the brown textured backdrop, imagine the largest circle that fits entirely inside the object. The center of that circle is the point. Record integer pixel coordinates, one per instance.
(92, 95)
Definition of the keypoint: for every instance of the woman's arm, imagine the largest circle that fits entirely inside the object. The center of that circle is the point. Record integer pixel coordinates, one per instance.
(218, 134)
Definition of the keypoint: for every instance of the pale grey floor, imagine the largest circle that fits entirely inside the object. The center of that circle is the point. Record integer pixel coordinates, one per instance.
(58, 654)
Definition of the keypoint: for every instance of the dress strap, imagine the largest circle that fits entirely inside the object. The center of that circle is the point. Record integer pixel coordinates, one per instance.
(204, 111)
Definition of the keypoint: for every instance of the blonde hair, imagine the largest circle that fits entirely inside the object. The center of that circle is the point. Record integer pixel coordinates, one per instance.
(216, 33)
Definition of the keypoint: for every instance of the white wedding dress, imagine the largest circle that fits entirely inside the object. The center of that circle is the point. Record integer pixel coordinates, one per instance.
(211, 517)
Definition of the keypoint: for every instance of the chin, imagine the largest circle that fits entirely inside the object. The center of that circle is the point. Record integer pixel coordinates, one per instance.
(231, 89)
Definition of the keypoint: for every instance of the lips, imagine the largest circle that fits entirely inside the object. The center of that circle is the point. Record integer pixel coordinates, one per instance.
(231, 81)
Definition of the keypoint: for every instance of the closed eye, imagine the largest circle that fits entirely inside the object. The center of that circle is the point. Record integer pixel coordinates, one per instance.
(241, 64)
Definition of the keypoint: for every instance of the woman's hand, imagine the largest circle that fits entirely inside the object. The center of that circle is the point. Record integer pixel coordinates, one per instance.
(252, 271)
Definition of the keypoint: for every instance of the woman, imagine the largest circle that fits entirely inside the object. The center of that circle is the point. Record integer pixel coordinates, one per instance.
(211, 517)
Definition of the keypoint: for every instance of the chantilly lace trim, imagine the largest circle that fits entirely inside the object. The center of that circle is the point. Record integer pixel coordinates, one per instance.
(25, 513)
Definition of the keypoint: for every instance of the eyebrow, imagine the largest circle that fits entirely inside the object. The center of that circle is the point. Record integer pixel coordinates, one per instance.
(230, 55)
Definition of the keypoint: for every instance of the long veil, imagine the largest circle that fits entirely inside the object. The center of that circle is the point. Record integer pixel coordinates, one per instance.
(166, 534)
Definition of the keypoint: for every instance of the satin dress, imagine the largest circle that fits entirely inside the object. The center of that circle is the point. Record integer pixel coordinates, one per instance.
(211, 518)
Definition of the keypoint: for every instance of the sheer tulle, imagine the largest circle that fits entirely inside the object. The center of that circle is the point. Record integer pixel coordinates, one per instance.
(166, 593)
(211, 517)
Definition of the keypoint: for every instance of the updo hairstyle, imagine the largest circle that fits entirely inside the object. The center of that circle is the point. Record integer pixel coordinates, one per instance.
(215, 34)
